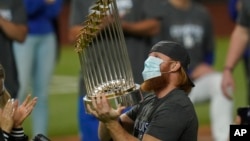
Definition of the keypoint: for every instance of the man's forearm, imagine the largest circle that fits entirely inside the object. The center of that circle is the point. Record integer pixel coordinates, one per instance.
(118, 133)
(74, 31)
(13, 31)
(148, 27)
(238, 43)
(103, 132)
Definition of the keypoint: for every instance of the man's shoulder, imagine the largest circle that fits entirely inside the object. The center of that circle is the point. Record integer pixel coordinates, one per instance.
(148, 97)
(178, 92)
(178, 97)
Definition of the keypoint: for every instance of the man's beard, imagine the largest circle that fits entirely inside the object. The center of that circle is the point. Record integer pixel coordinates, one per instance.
(154, 84)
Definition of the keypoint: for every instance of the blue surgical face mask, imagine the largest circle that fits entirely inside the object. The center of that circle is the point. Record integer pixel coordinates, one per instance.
(152, 68)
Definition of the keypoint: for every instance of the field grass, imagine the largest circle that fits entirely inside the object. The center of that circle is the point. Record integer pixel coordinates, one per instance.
(63, 107)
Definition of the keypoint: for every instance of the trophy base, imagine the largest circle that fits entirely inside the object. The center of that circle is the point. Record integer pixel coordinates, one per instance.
(127, 99)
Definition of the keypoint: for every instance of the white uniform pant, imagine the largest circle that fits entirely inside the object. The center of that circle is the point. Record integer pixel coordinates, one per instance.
(208, 87)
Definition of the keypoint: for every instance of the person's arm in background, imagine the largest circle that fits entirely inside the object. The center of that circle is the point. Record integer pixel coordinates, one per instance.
(13, 31)
(237, 45)
(150, 25)
(15, 27)
(73, 32)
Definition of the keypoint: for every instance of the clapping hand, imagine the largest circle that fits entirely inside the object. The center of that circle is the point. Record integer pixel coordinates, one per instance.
(7, 115)
(24, 110)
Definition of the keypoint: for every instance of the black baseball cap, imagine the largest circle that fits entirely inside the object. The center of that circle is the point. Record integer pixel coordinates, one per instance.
(176, 52)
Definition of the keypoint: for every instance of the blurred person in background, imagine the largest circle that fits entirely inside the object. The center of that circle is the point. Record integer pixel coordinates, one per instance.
(140, 21)
(36, 58)
(234, 7)
(190, 24)
(13, 28)
(238, 44)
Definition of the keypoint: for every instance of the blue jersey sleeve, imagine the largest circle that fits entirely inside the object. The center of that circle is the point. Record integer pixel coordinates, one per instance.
(232, 9)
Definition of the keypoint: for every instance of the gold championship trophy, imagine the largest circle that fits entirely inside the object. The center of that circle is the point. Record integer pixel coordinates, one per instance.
(103, 56)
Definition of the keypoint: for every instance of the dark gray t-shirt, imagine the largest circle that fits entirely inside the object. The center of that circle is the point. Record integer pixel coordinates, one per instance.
(244, 14)
(12, 10)
(192, 28)
(171, 118)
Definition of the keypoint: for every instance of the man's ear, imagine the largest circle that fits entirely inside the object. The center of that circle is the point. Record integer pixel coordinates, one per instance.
(175, 66)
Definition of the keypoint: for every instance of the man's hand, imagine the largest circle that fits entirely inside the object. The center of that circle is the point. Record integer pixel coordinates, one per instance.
(102, 110)
(227, 83)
